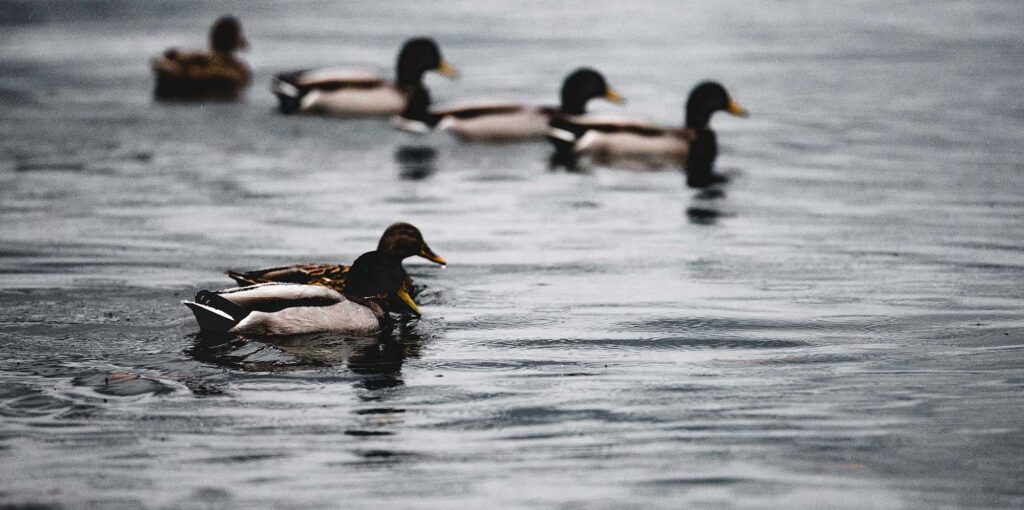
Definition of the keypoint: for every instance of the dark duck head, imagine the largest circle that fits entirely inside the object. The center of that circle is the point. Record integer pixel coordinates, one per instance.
(402, 240)
(706, 99)
(581, 86)
(226, 35)
(377, 276)
(417, 57)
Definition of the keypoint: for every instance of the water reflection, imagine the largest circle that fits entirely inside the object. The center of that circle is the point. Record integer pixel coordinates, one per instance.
(564, 159)
(706, 208)
(379, 358)
(416, 162)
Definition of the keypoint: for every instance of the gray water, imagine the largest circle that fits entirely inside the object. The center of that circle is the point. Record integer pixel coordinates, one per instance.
(840, 327)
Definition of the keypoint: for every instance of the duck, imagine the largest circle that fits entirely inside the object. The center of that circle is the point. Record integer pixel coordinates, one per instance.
(345, 92)
(375, 282)
(502, 122)
(695, 144)
(400, 241)
(214, 74)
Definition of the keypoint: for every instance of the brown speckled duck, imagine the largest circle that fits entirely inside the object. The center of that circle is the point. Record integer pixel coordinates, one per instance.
(400, 240)
(215, 74)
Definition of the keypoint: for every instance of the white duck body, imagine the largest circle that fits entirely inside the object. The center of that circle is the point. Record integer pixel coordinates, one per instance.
(278, 309)
(495, 121)
(343, 92)
(616, 138)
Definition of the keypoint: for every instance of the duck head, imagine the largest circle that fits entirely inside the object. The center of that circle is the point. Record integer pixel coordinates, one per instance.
(379, 277)
(419, 56)
(226, 35)
(403, 240)
(581, 86)
(707, 98)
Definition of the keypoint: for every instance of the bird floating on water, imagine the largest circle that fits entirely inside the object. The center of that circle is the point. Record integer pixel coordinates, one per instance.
(374, 283)
(695, 144)
(214, 74)
(505, 121)
(399, 241)
(346, 92)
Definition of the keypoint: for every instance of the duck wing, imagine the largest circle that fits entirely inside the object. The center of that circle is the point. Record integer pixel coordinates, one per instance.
(473, 110)
(327, 275)
(292, 86)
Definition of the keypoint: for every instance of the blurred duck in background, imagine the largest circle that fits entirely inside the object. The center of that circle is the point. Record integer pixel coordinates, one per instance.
(215, 74)
(695, 145)
(503, 121)
(346, 92)
(399, 241)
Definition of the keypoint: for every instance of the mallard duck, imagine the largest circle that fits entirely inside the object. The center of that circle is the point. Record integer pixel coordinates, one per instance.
(695, 144)
(506, 121)
(375, 281)
(214, 74)
(354, 93)
(400, 241)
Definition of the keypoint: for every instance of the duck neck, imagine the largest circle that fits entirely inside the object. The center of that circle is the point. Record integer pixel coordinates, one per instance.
(700, 162)
(573, 104)
(409, 75)
(417, 107)
(698, 118)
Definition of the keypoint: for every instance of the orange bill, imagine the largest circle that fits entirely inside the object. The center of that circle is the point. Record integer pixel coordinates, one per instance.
(429, 254)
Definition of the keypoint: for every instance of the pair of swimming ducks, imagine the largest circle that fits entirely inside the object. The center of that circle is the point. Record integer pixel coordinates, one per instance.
(314, 298)
(218, 74)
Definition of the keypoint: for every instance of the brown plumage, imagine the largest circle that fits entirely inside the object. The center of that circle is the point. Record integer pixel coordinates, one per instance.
(214, 74)
(400, 241)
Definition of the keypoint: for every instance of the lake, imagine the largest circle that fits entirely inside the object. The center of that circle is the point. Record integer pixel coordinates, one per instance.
(840, 326)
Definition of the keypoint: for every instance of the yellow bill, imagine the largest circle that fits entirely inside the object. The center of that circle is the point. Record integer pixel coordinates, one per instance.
(611, 95)
(446, 69)
(734, 108)
(407, 299)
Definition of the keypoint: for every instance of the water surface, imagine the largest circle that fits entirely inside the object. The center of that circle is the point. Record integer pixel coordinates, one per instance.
(839, 327)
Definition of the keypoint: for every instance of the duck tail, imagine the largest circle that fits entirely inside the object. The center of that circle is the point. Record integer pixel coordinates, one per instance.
(214, 313)
(289, 95)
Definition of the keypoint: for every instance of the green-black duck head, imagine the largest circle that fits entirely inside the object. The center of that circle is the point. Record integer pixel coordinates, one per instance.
(707, 98)
(226, 35)
(378, 276)
(581, 86)
(418, 56)
(402, 240)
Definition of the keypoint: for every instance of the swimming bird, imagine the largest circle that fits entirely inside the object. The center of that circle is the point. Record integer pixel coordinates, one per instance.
(344, 92)
(215, 74)
(506, 121)
(399, 241)
(695, 144)
(375, 281)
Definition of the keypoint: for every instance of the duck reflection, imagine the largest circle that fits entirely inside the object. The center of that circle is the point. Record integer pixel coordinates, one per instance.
(563, 159)
(706, 207)
(416, 162)
(377, 359)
